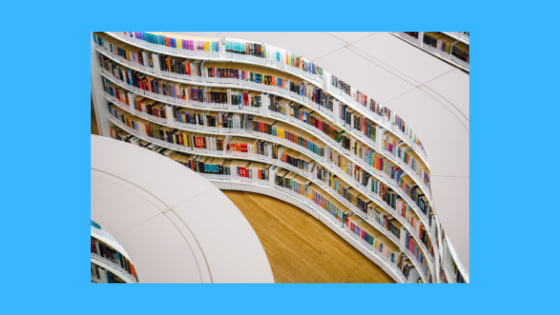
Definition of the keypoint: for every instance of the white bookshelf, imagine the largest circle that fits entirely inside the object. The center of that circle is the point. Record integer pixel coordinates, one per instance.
(100, 98)
(113, 267)
(233, 83)
(249, 133)
(434, 52)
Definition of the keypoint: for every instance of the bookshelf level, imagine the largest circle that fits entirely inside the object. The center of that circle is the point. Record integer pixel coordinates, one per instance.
(109, 255)
(176, 102)
(451, 47)
(311, 176)
(198, 80)
(221, 56)
(181, 149)
(330, 116)
(249, 133)
(328, 141)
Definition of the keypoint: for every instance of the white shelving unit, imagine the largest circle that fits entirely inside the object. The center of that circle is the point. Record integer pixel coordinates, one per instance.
(434, 52)
(105, 120)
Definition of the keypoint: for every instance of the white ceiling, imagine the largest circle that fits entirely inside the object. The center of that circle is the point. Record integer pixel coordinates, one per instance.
(430, 94)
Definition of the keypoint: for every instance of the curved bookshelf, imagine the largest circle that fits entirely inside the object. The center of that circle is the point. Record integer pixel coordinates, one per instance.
(329, 142)
(289, 144)
(251, 134)
(109, 240)
(448, 57)
(174, 101)
(311, 177)
(264, 111)
(174, 52)
(269, 89)
(113, 267)
(292, 121)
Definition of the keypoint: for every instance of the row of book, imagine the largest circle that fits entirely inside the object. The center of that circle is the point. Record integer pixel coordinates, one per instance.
(185, 45)
(285, 132)
(305, 115)
(349, 143)
(360, 150)
(225, 70)
(286, 179)
(216, 167)
(458, 276)
(405, 154)
(237, 48)
(124, 52)
(414, 248)
(377, 188)
(302, 187)
(209, 119)
(372, 238)
(105, 251)
(358, 122)
(102, 275)
(293, 159)
(380, 112)
(447, 44)
(175, 43)
(296, 61)
(192, 69)
(186, 139)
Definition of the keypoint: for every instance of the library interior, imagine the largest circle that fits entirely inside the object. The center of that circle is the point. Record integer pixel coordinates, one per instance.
(280, 157)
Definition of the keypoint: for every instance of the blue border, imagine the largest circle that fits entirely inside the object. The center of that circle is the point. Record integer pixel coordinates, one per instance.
(46, 182)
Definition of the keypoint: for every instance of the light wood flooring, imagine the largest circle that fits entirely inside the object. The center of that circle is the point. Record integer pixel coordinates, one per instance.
(300, 248)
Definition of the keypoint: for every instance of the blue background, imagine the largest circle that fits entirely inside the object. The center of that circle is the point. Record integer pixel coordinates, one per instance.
(45, 169)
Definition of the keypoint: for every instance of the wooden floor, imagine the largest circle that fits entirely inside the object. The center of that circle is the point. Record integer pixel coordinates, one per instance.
(94, 129)
(300, 248)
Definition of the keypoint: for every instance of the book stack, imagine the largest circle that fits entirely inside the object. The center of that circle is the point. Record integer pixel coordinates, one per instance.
(124, 52)
(372, 239)
(329, 206)
(183, 140)
(306, 118)
(102, 275)
(415, 163)
(249, 147)
(166, 90)
(458, 276)
(288, 135)
(180, 68)
(293, 160)
(379, 215)
(151, 108)
(416, 252)
(352, 146)
(117, 93)
(390, 143)
(208, 120)
(363, 126)
(177, 43)
(100, 248)
(405, 265)
(306, 68)
(252, 51)
(292, 183)
(410, 188)
(279, 106)
(245, 100)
